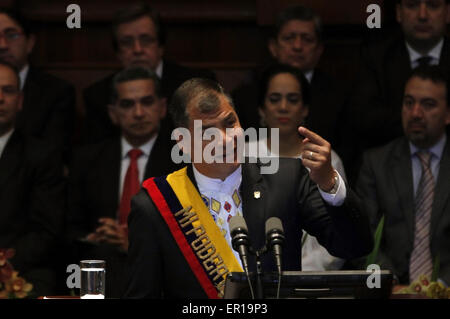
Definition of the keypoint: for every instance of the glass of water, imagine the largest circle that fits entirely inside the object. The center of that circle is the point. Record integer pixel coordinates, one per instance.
(92, 279)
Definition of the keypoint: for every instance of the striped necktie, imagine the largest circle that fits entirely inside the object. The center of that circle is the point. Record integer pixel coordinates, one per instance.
(421, 261)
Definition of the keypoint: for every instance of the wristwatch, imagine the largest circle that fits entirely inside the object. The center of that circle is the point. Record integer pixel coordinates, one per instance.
(336, 184)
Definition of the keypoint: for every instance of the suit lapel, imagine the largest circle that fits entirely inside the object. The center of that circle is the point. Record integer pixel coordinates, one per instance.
(403, 181)
(110, 176)
(444, 60)
(159, 159)
(442, 189)
(31, 111)
(11, 159)
(254, 196)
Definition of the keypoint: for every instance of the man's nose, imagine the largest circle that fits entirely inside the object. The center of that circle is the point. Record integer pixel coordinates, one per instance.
(423, 11)
(298, 43)
(417, 111)
(138, 110)
(137, 47)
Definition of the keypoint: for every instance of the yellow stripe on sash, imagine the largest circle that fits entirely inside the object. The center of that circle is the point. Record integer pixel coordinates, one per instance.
(189, 196)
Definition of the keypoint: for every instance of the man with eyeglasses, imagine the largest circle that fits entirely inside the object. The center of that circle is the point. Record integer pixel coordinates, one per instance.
(139, 40)
(385, 64)
(49, 102)
(104, 176)
(32, 191)
(297, 40)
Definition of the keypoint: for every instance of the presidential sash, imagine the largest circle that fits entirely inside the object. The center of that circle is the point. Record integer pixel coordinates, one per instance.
(199, 238)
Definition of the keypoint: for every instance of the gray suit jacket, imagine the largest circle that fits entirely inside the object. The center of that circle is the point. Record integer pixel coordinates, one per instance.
(386, 184)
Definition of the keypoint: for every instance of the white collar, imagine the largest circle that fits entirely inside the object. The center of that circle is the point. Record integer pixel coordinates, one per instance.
(145, 148)
(4, 140)
(23, 75)
(308, 75)
(435, 52)
(159, 69)
(228, 186)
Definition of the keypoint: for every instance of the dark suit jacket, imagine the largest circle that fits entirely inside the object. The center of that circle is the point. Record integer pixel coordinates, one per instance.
(157, 266)
(94, 193)
(98, 125)
(325, 111)
(48, 109)
(32, 198)
(386, 185)
(378, 92)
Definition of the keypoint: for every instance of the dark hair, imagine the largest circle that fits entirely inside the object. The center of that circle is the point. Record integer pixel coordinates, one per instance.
(134, 12)
(207, 91)
(12, 68)
(298, 12)
(134, 73)
(19, 19)
(275, 69)
(433, 73)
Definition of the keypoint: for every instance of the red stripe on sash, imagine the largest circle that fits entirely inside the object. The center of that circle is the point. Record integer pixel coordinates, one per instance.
(180, 239)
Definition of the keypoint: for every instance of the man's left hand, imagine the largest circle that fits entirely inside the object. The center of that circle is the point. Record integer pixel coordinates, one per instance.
(316, 156)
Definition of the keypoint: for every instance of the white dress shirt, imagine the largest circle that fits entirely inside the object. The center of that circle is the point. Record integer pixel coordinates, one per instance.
(142, 160)
(4, 140)
(308, 75)
(23, 75)
(434, 54)
(218, 191)
(159, 69)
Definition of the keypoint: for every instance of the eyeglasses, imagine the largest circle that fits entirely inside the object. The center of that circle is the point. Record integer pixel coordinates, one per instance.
(145, 41)
(11, 36)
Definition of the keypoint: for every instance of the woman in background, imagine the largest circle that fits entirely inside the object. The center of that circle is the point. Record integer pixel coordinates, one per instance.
(284, 100)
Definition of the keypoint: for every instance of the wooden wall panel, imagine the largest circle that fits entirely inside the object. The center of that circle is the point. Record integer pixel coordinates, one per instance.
(226, 36)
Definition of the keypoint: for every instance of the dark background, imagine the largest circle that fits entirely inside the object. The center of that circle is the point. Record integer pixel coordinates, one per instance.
(226, 36)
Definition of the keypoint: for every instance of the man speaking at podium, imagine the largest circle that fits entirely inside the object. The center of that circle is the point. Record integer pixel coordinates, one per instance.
(180, 243)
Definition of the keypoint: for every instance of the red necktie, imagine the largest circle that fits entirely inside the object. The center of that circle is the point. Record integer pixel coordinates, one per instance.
(130, 186)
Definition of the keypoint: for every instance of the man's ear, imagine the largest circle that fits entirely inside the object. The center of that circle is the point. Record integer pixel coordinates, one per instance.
(448, 13)
(31, 41)
(112, 113)
(20, 102)
(398, 13)
(163, 106)
(273, 47)
(447, 118)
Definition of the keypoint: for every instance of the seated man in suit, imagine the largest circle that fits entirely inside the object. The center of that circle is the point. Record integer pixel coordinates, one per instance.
(408, 182)
(104, 176)
(385, 65)
(180, 243)
(49, 102)
(32, 192)
(138, 39)
(297, 40)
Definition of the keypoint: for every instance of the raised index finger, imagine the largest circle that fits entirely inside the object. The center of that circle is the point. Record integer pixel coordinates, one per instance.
(312, 137)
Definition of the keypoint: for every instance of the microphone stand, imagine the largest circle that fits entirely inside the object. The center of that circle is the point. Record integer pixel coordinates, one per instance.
(259, 274)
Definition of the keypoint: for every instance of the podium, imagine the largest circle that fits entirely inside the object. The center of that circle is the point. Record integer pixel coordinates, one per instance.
(312, 285)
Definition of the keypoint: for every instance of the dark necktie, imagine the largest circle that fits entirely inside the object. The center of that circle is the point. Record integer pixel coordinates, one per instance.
(130, 186)
(425, 60)
(421, 261)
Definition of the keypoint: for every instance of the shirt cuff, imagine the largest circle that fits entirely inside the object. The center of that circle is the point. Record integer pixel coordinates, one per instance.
(338, 198)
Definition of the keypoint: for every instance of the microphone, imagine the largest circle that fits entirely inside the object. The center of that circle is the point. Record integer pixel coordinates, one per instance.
(241, 243)
(239, 239)
(275, 241)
